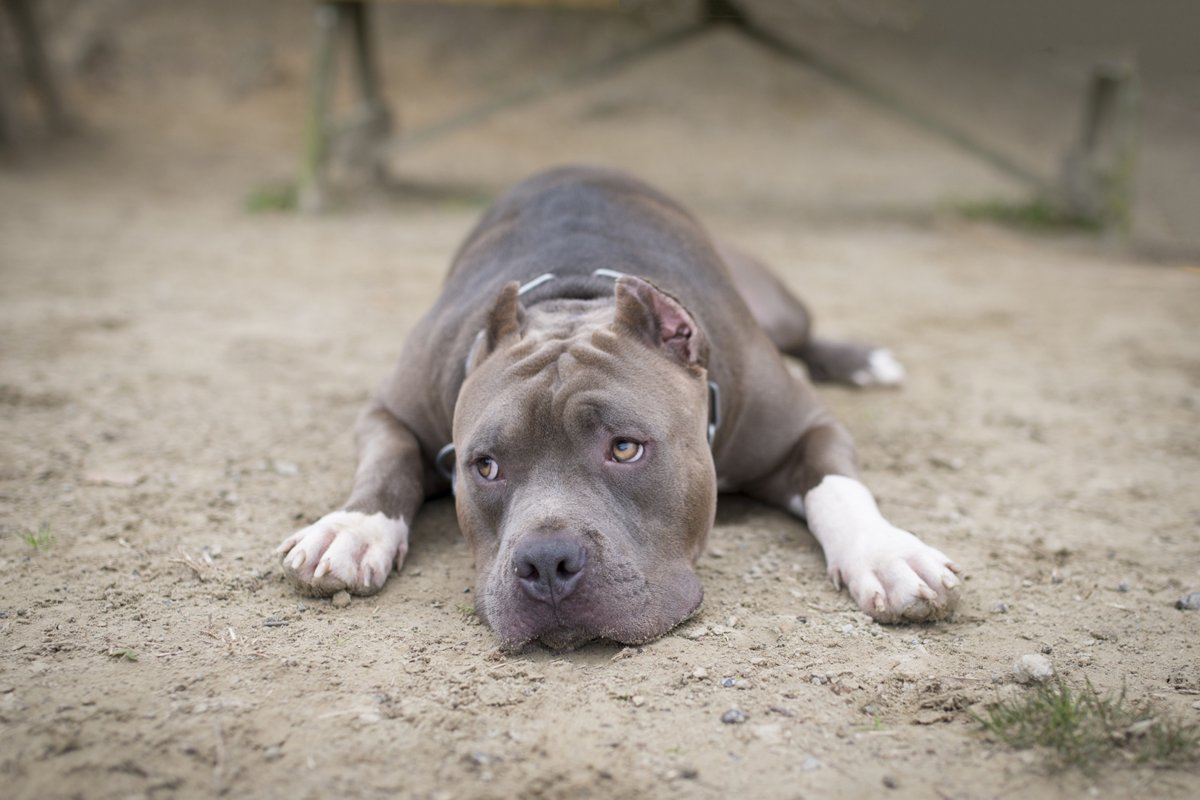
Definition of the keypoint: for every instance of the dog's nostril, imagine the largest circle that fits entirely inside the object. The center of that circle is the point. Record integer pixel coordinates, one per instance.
(548, 568)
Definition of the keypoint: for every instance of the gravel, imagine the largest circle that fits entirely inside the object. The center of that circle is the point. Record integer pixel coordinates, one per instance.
(1189, 602)
(1033, 668)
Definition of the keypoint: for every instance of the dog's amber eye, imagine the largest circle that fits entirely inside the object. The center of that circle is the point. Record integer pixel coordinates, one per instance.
(626, 450)
(487, 468)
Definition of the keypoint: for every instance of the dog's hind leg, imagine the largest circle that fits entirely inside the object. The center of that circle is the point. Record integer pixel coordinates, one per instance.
(789, 326)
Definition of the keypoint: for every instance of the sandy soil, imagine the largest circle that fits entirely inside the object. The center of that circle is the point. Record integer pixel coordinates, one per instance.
(179, 378)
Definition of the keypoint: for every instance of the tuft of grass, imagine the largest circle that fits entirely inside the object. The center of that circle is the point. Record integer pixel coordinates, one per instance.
(1036, 215)
(122, 654)
(273, 199)
(39, 540)
(1084, 729)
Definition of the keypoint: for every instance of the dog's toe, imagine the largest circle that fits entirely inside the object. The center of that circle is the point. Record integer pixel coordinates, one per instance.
(344, 550)
(882, 368)
(903, 580)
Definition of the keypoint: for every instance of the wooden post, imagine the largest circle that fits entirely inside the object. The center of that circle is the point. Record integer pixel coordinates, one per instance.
(37, 68)
(311, 188)
(1097, 176)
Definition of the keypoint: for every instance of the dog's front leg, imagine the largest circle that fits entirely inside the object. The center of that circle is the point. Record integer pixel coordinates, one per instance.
(356, 548)
(890, 573)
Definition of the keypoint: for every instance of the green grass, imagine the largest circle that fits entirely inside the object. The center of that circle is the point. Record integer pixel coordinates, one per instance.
(122, 654)
(275, 198)
(1035, 215)
(39, 540)
(1084, 729)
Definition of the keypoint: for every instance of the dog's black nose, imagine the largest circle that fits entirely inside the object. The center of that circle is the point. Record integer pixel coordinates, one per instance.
(549, 567)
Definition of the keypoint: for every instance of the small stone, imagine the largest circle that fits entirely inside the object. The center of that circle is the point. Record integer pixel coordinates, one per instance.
(285, 468)
(1033, 668)
(1123, 587)
(890, 782)
(734, 716)
(810, 764)
(39, 667)
(728, 683)
(1189, 602)
(1000, 607)
(699, 673)
(638, 701)
(848, 628)
(341, 599)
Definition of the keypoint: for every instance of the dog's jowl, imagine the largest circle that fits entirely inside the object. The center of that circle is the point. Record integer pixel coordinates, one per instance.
(596, 367)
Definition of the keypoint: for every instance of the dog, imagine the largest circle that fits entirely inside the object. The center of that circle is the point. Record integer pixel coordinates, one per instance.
(596, 369)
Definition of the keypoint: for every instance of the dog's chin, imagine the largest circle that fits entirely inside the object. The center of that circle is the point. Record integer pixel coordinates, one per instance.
(562, 637)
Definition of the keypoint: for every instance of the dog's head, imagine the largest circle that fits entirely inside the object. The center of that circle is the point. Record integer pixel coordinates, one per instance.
(585, 486)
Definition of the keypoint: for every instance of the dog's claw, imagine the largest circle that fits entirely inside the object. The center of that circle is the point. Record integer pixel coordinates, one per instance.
(347, 550)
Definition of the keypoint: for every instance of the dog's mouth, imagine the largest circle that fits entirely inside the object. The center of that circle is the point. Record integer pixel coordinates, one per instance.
(634, 618)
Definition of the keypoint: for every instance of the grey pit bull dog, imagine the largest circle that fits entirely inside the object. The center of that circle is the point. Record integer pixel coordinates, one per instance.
(596, 369)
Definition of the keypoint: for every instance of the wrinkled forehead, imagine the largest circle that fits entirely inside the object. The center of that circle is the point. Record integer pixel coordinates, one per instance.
(582, 385)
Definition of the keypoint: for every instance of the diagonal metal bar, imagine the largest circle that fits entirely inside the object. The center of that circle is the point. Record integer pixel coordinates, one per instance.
(848, 80)
(546, 87)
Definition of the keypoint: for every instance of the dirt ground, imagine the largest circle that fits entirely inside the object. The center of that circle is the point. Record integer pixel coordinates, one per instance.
(179, 377)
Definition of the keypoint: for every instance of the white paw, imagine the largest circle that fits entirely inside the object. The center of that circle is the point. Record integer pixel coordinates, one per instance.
(895, 577)
(891, 574)
(882, 369)
(344, 550)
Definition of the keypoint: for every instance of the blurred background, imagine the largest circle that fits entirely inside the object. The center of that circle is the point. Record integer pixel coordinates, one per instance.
(806, 109)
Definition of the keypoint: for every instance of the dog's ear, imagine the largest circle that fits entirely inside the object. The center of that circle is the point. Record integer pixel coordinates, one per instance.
(659, 320)
(504, 321)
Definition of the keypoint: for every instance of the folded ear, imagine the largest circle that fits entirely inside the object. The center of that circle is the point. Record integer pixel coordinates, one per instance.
(659, 320)
(504, 321)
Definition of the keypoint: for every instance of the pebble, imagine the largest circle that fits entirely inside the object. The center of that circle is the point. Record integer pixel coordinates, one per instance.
(728, 683)
(699, 673)
(890, 782)
(341, 599)
(810, 764)
(1123, 587)
(1033, 668)
(1189, 602)
(734, 716)
(1000, 607)
(637, 700)
(285, 468)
